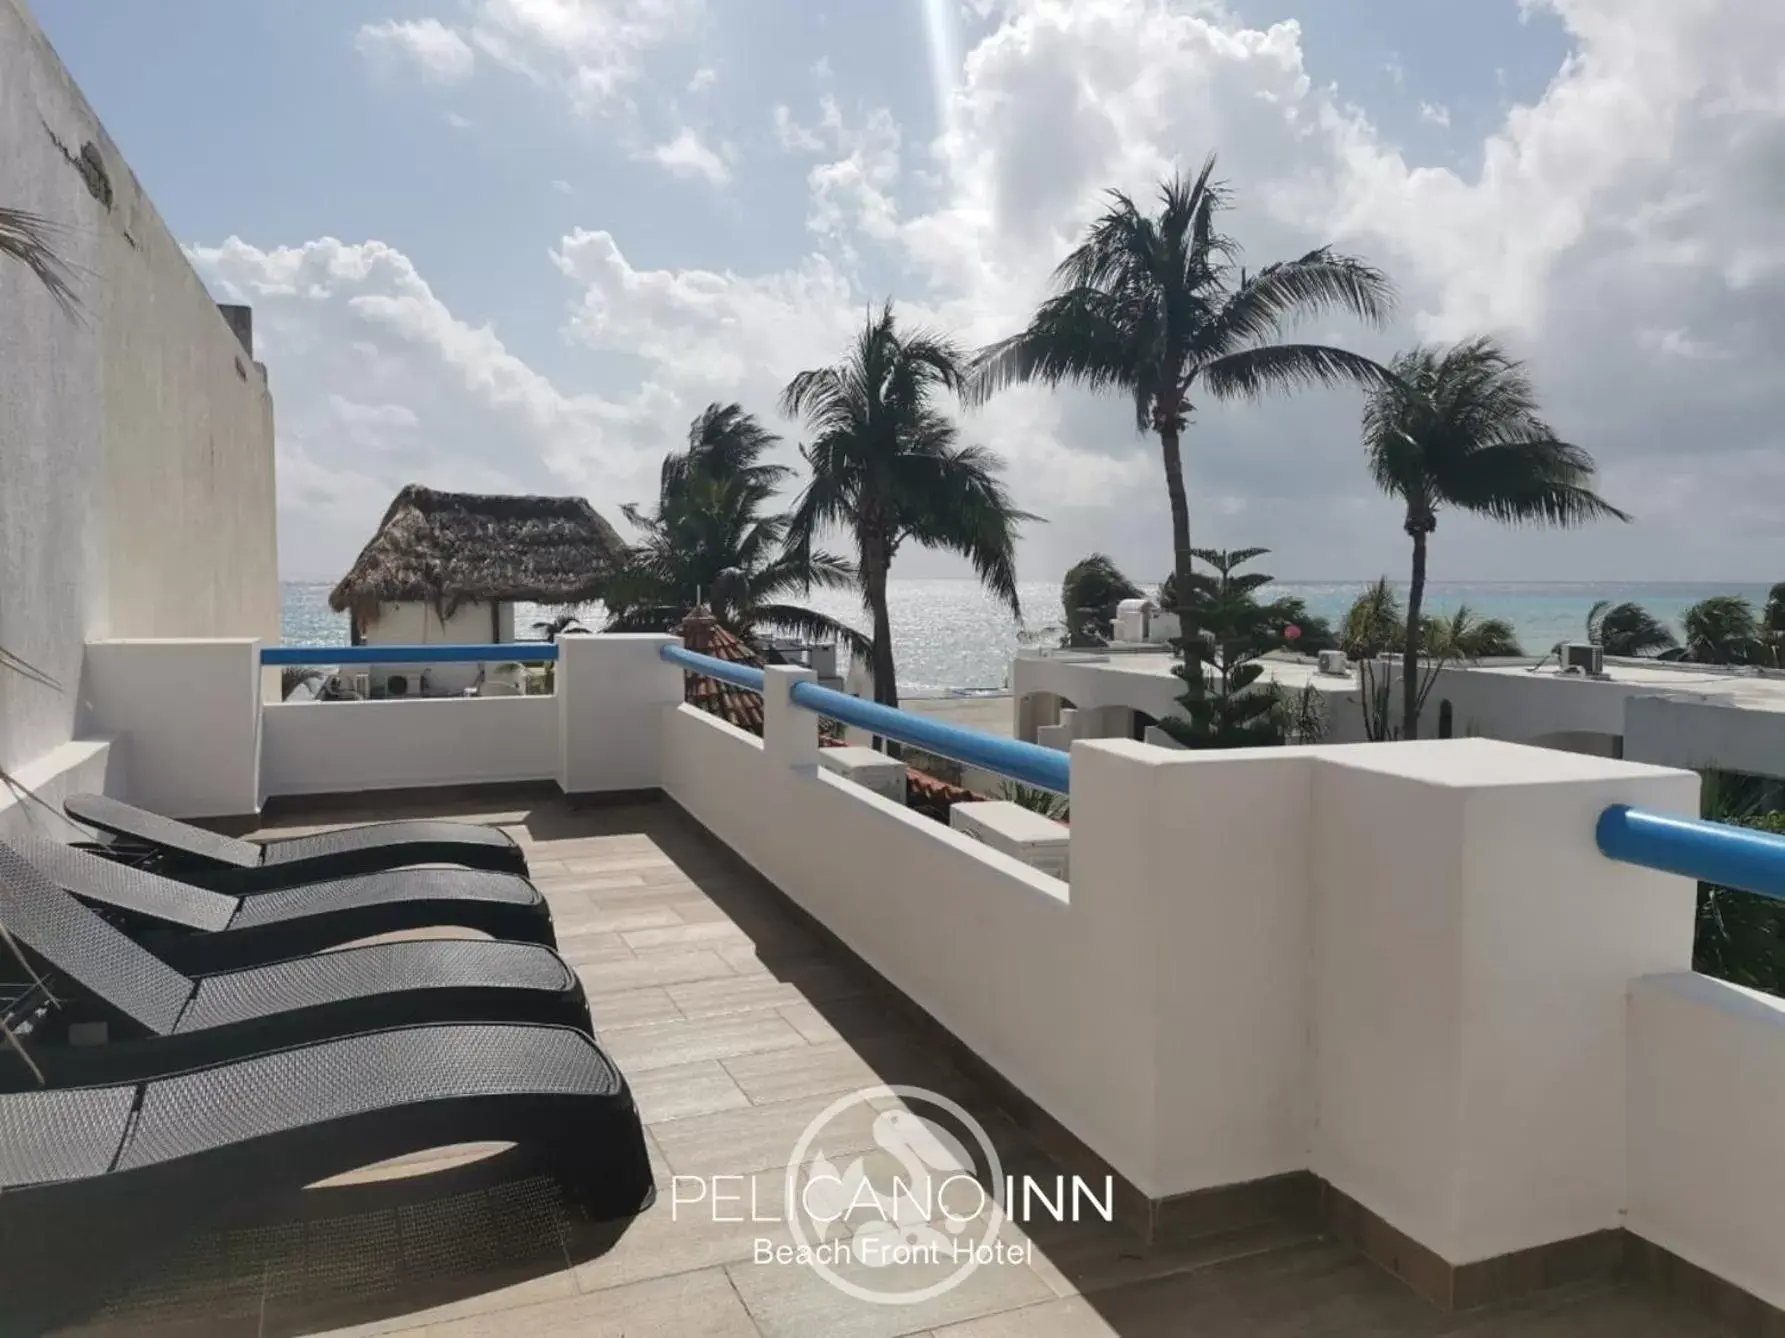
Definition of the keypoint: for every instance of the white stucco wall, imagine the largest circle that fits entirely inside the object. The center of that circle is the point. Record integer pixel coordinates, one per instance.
(185, 717)
(420, 624)
(136, 449)
(1707, 733)
(343, 747)
(1040, 985)
(1471, 954)
(1099, 687)
(1707, 1081)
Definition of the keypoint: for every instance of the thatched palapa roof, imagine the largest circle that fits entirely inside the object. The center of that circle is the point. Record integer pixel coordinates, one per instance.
(451, 548)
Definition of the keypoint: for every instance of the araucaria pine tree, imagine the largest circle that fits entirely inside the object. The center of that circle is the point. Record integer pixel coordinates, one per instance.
(1232, 631)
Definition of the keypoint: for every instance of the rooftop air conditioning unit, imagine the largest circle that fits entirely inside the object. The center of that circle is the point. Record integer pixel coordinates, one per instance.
(1579, 658)
(1334, 662)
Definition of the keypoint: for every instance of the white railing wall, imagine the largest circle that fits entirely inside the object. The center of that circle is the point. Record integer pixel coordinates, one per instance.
(186, 718)
(1707, 1080)
(312, 747)
(1403, 967)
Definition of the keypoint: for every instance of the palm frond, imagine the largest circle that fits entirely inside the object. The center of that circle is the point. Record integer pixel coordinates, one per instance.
(1321, 283)
(1627, 629)
(811, 624)
(30, 239)
(1253, 372)
(1084, 336)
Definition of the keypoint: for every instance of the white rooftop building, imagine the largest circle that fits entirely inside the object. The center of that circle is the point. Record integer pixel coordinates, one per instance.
(1688, 715)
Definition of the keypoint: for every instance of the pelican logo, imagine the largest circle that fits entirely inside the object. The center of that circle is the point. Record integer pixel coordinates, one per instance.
(901, 1216)
(907, 1222)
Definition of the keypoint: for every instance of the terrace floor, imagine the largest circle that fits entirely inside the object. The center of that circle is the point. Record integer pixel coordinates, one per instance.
(736, 1026)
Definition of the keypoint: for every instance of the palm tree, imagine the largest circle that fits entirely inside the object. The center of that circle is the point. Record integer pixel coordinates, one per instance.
(1463, 636)
(1155, 307)
(1376, 625)
(887, 466)
(1093, 588)
(1627, 629)
(1723, 630)
(708, 542)
(1459, 427)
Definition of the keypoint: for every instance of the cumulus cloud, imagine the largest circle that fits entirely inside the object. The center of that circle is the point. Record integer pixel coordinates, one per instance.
(435, 50)
(593, 50)
(1620, 231)
(687, 155)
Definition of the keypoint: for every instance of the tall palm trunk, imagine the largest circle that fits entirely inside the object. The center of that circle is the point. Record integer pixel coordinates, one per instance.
(1410, 649)
(886, 682)
(1180, 533)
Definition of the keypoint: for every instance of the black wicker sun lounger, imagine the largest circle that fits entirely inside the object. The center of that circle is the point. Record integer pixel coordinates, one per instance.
(89, 1173)
(201, 930)
(217, 861)
(164, 1021)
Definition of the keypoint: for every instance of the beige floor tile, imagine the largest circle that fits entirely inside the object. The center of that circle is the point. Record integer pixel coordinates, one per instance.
(679, 934)
(686, 1089)
(1071, 1318)
(657, 968)
(633, 1008)
(787, 959)
(495, 1298)
(626, 862)
(662, 1044)
(758, 1138)
(691, 1232)
(814, 1070)
(688, 1305)
(735, 994)
(695, 909)
(1091, 1256)
(866, 1017)
(574, 884)
(588, 949)
(791, 1300)
(622, 919)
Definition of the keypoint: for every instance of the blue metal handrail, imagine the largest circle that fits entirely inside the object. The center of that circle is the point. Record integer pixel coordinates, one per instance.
(738, 675)
(1712, 852)
(504, 652)
(1026, 762)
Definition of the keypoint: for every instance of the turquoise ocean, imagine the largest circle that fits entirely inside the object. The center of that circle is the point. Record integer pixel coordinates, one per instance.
(949, 636)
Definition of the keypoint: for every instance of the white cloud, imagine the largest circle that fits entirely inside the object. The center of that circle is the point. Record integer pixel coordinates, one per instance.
(1435, 113)
(703, 79)
(687, 155)
(369, 356)
(595, 50)
(853, 192)
(437, 51)
(1621, 230)
(793, 136)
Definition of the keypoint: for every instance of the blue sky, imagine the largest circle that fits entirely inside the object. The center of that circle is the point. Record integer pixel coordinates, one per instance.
(518, 243)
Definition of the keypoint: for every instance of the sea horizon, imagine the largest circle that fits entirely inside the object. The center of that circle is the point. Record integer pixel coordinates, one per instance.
(950, 636)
